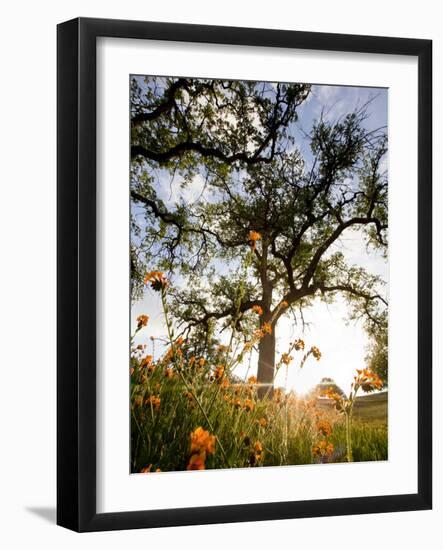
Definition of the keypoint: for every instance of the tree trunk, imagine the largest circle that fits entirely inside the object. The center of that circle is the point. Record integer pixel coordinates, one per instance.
(266, 365)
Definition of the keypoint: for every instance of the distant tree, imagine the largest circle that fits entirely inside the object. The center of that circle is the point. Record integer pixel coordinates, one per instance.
(377, 356)
(239, 138)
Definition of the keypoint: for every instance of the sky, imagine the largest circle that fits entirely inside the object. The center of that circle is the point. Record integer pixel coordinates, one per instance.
(343, 345)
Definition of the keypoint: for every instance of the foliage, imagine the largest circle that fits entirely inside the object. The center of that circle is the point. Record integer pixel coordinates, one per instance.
(238, 141)
(377, 353)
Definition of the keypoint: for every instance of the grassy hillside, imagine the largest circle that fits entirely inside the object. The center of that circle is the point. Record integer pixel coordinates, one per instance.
(369, 427)
(371, 408)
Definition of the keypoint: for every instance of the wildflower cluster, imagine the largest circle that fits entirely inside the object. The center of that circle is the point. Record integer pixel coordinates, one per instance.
(202, 444)
(323, 448)
(154, 401)
(297, 345)
(241, 397)
(191, 410)
(367, 380)
(314, 351)
(256, 454)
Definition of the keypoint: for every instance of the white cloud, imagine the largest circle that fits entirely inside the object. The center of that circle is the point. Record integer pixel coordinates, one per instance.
(172, 190)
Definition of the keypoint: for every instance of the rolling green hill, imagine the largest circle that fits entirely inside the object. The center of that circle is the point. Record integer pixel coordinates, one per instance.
(367, 408)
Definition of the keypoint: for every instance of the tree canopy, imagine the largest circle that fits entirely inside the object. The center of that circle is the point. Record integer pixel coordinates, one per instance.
(234, 147)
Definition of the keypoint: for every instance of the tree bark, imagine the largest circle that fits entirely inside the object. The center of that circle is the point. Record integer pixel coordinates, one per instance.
(266, 365)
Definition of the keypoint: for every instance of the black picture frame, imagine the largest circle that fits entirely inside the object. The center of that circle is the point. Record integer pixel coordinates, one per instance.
(76, 280)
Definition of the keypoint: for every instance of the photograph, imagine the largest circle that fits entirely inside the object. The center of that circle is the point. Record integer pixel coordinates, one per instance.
(259, 274)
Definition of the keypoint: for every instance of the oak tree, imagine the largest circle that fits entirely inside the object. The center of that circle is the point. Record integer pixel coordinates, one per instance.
(237, 143)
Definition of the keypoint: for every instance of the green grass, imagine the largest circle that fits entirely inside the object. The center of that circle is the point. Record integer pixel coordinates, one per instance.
(161, 435)
(369, 428)
(371, 408)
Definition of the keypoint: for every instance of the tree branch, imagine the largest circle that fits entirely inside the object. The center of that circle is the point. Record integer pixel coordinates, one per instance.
(331, 239)
(164, 107)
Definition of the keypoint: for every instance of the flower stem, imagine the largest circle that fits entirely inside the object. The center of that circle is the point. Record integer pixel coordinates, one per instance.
(348, 436)
(187, 386)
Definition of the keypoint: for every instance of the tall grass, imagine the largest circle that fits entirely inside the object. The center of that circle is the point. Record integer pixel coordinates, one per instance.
(191, 412)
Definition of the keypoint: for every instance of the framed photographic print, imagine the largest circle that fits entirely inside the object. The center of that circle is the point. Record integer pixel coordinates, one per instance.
(244, 274)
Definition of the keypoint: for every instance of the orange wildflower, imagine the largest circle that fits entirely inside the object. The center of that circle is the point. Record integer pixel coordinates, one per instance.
(368, 380)
(153, 401)
(331, 394)
(324, 428)
(247, 346)
(299, 345)
(146, 469)
(257, 455)
(286, 358)
(146, 361)
(266, 328)
(252, 380)
(138, 400)
(262, 422)
(218, 373)
(322, 448)
(278, 394)
(196, 462)
(225, 383)
(315, 352)
(257, 335)
(257, 309)
(157, 280)
(168, 355)
(249, 405)
(202, 441)
(221, 348)
(253, 237)
(188, 395)
(142, 321)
